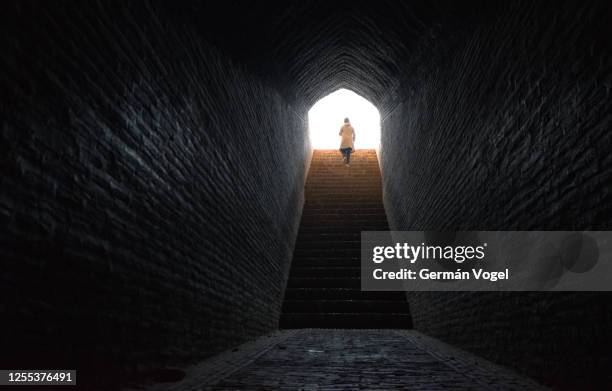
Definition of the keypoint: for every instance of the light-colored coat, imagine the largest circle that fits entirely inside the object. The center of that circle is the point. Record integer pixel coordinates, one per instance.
(348, 136)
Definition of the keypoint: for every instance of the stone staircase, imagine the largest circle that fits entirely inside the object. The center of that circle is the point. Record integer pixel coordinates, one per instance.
(323, 290)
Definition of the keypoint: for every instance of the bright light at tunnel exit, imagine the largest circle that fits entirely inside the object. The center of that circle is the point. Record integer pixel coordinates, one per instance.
(326, 118)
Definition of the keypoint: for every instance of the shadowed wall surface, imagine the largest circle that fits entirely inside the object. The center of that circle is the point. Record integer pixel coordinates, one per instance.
(151, 191)
(508, 128)
(153, 162)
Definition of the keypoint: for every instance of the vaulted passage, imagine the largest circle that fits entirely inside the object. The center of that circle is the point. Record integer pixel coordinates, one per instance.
(163, 212)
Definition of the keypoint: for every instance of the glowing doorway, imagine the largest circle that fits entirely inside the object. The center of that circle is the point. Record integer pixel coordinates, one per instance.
(326, 117)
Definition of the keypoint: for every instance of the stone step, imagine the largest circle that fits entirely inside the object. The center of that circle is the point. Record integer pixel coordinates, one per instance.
(345, 306)
(339, 168)
(334, 181)
(328, 174)
(345, 320)
(341, 185)
(336, 158)
(325, 237)
(353, 271)
(348, 198)
(348, 207)
(317, 228)
(342, 188)
(348, 195)
(336, 207)
(342, 294)
(349, 220)
(324, 282)
(329, 244)
(355, 193)
(353, 176)
(361, 214)
(305, 261)
(362, 177)
(329, 252)
(342, 211)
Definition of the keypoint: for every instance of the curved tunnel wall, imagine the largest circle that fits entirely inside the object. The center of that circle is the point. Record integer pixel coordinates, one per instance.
(507, 127)
(151, 191)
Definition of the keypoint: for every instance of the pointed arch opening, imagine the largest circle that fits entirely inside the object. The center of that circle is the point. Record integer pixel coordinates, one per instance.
(327, 115)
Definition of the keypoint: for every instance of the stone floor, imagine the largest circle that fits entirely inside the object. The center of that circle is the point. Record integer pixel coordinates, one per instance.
(342, 359)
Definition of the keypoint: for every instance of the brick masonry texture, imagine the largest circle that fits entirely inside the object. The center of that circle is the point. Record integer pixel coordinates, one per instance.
(506, 126)
(151, 191)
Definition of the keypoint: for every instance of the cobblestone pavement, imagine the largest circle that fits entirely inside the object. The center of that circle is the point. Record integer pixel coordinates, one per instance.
(341, 359)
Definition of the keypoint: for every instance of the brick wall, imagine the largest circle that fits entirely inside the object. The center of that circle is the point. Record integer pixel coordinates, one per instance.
(505, 124)
(151, 191)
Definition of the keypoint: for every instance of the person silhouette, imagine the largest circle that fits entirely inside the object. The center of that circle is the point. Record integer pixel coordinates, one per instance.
(347, 143)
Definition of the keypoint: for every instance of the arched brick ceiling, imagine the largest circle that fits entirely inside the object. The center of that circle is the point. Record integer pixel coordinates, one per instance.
(308, 49)
(358, 45)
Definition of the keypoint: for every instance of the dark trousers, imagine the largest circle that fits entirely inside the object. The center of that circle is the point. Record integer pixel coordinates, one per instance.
(346, 152)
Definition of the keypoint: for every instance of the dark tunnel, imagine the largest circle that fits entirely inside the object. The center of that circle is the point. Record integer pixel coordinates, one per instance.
(154, 157)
